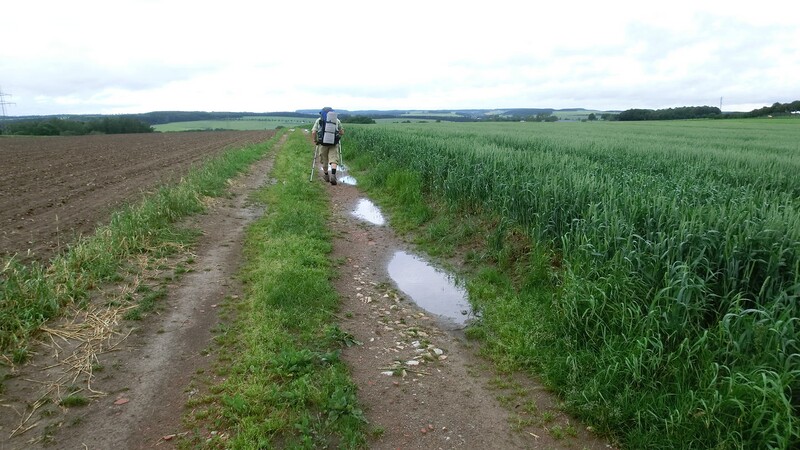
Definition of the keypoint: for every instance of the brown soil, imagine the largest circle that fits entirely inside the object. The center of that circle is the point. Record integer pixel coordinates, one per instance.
(449, 400)
(53, 189)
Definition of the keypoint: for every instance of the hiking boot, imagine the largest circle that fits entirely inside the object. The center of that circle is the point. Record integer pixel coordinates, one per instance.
(325, 176)
(333, 179)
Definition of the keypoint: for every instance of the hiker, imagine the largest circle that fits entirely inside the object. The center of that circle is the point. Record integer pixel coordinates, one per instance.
(326, 133)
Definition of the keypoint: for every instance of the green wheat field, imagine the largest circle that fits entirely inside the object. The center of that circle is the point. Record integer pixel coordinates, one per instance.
(659, 289)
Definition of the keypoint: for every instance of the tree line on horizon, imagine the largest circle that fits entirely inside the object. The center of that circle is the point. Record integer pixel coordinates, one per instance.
(142, 123)
(69, 127)
(705, 112)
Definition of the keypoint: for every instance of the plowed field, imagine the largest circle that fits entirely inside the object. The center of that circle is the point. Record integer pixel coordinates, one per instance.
(53, 189)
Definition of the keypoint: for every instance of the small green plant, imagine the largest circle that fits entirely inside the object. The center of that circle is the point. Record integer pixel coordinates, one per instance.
(20, 355)
(48, 433)
(505, 400)
(519, 423)
(475, 332)
(557, 432)
(134, 314)
(336, 336)
(499, 382)
(570, 430)
(73, 400)
(116, 277)
(146, 304)
(530, 407)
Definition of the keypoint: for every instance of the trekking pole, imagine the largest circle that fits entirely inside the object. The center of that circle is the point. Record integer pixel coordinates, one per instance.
(313, 162)
(341, 160)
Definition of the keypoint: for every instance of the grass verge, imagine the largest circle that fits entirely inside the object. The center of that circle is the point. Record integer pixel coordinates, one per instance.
(31, 294)
(284, 384)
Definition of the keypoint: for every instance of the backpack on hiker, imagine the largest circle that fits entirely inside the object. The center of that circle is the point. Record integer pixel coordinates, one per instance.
(328, 133)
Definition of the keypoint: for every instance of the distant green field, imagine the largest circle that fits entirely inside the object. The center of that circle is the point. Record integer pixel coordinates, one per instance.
(403, 119)
(242, 123)
(431, 114)
(577, 115)
(562, 115)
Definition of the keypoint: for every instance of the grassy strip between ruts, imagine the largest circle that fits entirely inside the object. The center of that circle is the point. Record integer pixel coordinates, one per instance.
(34, 293)
(285, 386)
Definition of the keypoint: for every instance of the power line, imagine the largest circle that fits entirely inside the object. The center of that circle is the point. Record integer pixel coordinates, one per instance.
(3, 104)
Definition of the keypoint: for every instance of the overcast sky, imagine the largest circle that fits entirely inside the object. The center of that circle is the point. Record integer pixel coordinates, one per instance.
(124, 56)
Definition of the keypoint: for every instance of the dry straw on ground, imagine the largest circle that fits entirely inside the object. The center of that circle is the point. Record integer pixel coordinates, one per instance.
(75, 346)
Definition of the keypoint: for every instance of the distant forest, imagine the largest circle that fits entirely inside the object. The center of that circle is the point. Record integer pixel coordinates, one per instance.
(70, 127)
(705, 112)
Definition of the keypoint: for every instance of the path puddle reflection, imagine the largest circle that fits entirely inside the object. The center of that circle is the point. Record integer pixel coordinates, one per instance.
(347, 179)
(366, 210)
(430, 288)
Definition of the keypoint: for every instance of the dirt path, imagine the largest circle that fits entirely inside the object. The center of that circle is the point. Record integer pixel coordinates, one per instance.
(450, 397)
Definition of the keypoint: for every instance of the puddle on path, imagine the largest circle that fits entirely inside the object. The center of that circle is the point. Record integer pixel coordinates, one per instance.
(347, 179)
(366, 210)
(430, 288)
(343, 176)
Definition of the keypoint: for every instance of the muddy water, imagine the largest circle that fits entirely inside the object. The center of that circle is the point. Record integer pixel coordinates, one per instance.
(430, 288)
(366, 210)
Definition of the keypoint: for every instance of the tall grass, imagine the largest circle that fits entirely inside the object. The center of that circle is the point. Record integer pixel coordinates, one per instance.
(33, 293)
(674, 317)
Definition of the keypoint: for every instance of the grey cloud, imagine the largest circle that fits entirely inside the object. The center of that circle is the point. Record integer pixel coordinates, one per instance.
(76, 78)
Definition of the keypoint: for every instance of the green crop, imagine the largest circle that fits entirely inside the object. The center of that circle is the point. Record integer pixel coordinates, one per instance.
(677, 316)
